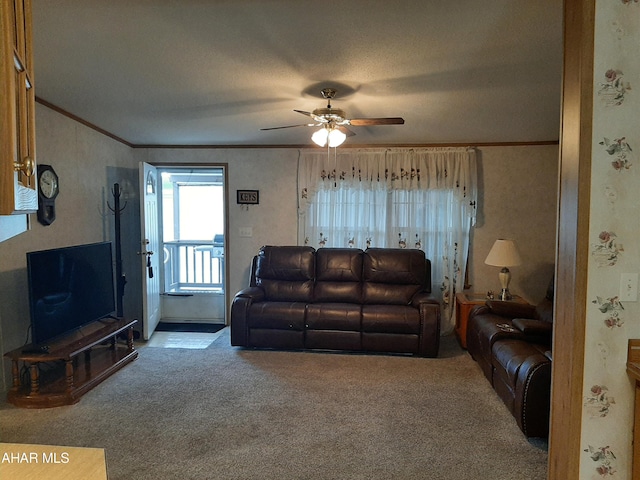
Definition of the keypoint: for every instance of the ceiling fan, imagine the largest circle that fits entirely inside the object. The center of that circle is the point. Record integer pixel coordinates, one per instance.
(333, 122)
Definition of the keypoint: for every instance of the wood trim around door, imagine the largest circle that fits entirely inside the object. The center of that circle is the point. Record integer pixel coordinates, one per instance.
(572, 243)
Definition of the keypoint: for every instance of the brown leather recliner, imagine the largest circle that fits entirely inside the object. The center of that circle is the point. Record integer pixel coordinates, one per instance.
(378, 300)
(512, 344)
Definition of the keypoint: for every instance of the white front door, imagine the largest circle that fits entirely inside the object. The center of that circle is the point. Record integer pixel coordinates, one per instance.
(149, 250)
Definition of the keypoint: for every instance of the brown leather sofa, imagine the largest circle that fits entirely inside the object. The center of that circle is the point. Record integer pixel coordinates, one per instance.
(512, 344)
(378, 300)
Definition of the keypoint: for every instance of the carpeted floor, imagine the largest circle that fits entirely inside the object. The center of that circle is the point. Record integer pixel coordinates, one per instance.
(229, 413)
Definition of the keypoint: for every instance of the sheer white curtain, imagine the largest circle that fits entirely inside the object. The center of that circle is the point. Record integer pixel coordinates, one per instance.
(406, 198)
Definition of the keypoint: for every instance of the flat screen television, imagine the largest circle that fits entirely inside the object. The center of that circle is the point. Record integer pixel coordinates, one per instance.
(68, 288)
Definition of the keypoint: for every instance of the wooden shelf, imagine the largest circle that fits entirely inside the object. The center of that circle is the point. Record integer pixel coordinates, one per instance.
(61, 375)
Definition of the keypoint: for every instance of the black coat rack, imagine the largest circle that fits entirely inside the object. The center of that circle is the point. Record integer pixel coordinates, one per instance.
(121, 279)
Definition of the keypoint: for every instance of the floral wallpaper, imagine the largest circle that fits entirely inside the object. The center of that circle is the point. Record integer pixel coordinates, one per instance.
(608, 398)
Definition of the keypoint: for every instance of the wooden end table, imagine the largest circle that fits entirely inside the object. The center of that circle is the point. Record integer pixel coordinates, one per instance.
(465, 301)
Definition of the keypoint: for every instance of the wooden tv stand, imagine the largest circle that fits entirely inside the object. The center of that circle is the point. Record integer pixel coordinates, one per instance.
(60, 375)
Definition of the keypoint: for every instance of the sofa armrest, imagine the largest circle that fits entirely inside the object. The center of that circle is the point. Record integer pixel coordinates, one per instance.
(533, 395)
(530, 326)
(511, 309)
(256, 294)
(240, 314)
(430, 327)
(423, 297)
(479, 310)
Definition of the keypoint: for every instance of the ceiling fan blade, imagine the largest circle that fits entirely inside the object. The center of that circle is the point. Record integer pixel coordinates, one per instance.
(363, 122)
(345, 130)
(291, 126)
(317, 118)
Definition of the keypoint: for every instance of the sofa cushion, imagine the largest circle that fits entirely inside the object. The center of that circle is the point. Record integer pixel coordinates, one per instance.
(531, 327)
(277, 315)
(544, 311)
(390, 342)
(285, 263)
(339, 264)
(333, 316)
(483, 330)
(286, 291)
(394, 265)
(390, 319)
(508, 356)
(286, 273)
(393, 276)
(338, 275)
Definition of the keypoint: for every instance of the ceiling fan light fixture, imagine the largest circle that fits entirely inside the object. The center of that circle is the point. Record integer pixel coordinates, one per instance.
(336, 138)
(328, 134)
(320, 136)
(334, 123)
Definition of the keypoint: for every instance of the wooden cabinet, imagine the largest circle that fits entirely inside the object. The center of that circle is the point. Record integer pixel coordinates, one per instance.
(18, 193)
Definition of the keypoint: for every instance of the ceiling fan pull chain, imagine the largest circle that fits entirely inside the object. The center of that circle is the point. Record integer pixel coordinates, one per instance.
(335, 162)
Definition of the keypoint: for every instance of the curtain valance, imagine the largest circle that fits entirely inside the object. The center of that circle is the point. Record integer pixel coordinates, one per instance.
(439, 168)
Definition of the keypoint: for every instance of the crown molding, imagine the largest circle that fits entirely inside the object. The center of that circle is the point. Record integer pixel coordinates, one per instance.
(65, 113)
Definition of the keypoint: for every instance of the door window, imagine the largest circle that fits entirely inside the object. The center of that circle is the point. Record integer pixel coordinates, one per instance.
(193, 230)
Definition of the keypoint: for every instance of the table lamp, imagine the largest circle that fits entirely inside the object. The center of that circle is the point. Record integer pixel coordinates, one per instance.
(504, 254)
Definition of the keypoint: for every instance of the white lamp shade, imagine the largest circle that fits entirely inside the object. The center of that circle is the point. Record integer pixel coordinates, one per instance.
(503, 254)
(336, 138)
(327, 133)
(319, 137)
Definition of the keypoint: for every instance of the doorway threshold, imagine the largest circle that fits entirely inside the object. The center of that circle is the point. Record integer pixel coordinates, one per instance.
(189, 327)
(188, 340)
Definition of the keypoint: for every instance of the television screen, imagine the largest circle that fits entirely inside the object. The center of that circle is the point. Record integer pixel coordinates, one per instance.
(68, 288)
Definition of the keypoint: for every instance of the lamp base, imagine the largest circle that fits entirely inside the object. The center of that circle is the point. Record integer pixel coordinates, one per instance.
(505, 278)
(504, 295)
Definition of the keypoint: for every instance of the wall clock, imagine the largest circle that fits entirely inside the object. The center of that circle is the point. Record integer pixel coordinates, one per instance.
(48, 189)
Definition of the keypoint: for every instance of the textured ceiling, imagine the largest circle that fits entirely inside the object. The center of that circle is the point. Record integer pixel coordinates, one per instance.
(198, 72)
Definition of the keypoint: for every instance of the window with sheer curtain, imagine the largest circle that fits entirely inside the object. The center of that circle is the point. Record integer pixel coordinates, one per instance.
(399, 198)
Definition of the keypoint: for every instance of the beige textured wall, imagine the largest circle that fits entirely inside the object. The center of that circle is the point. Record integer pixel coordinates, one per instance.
(517, 199)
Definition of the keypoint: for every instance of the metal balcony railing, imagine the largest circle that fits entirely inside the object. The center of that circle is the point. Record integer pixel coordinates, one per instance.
(193, 266)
